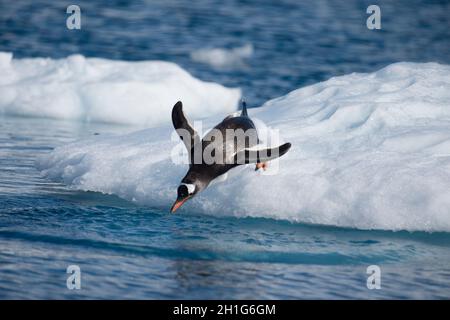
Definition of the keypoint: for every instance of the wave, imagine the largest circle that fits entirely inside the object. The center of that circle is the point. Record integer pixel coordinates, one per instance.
(220, 58)
(369, 151)
(101, 90)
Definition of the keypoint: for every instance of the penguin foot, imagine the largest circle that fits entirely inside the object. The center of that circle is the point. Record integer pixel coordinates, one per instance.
(262, 165)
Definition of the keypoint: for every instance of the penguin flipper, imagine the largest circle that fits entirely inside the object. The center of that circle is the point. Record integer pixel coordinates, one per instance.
(184, 129)
(244, 109)
(260, 155)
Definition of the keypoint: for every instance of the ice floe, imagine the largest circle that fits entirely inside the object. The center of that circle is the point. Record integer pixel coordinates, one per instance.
(101, 90)
(369, 151)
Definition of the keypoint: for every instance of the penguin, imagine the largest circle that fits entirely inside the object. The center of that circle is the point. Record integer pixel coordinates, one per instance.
(201, 171)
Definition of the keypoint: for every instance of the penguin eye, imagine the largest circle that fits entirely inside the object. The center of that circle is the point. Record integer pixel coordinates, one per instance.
(183, 191)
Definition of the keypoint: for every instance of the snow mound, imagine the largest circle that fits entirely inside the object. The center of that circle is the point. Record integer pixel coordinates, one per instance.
(369, 151)
(100, 90)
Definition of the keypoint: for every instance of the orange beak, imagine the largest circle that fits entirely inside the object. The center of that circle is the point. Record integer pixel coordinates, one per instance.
(178, 203)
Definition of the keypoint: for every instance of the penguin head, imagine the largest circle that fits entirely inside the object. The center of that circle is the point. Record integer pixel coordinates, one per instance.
(185, 192)
(189, 187)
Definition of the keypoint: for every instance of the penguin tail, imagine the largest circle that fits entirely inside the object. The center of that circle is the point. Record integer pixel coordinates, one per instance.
(244, 108)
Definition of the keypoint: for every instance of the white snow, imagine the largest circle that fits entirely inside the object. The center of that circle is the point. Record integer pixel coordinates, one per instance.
(101, 90)
(369, 151)
(220, 58)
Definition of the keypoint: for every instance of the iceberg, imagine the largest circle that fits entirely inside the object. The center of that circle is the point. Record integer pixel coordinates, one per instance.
(101, 90)
(369, 151)
(219, 58)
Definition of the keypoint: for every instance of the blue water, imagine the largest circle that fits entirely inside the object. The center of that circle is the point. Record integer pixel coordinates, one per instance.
(295, 42)
(130, 251)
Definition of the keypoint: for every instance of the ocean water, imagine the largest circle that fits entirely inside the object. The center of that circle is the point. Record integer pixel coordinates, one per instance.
(295, 43)
(126, 250)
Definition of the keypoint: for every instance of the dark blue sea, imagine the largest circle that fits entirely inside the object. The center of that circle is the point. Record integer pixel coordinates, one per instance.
(129, 251)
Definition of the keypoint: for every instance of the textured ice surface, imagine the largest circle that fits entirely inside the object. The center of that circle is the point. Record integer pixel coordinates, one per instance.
(369, 151)
(93, 89)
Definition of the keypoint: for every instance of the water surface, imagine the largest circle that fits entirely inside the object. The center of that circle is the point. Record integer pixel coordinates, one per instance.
(130, 251)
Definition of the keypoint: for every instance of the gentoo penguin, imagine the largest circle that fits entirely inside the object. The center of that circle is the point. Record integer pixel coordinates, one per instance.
(202, 170)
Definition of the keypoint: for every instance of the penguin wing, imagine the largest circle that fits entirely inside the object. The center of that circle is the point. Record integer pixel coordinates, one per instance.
(184, 129)
(260, 155)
